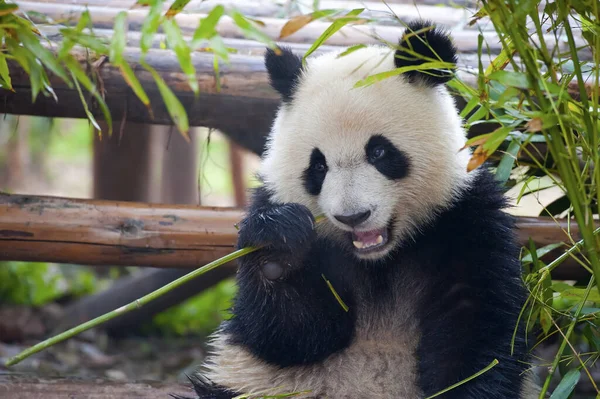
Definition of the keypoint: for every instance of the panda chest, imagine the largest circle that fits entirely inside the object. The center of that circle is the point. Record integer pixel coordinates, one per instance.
(380, 362)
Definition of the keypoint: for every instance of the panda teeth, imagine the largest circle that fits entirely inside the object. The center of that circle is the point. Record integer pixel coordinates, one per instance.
(361, 245)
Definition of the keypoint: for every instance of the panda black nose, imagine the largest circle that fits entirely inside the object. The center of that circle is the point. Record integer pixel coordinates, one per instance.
(353, 220)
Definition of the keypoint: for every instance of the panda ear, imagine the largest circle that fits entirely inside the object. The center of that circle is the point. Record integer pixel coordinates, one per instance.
(425, 43)
(284, 71)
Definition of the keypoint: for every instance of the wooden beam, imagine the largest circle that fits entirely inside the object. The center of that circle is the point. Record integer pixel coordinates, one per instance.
(466, 40)
(97, 232)
(50, 229)
(23, 386)
(245, 103)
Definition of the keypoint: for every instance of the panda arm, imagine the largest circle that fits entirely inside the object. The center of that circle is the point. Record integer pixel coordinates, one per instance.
(470, 318)
(293, 318)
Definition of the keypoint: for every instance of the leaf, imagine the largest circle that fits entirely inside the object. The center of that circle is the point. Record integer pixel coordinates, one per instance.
(150, 25)
(176, 8)
(540, 123)
(7, 8)
(540, 252)
(79, 74)
(506, 163)
(31, 43)
(5, 74)
(249, 30)
(334, 27)
(398, 71)
(351, 49)
(117, 45)
(567, 291)
(483, 151)
(135, 85)
(88, 41)
(208, 25)
(545, 321)
(566, 385)
(513, 79)
(183, 52)
(295, 24)
(174, 107)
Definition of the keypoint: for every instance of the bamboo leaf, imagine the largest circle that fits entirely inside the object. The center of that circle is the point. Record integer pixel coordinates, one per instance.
(351, 49)
(150, 25)
(176, 8)
(135, 84)
(513, 79)
(7, 8)
(207, 27)
(506, 163)
(369, 80)
(487, 148)
(183, 52)
(295, 24)
(566, 385)
(5, 74)
(117, 45)
(249, 30)
(80, 76)
(174, 107)
(31, 43)
(338, 24)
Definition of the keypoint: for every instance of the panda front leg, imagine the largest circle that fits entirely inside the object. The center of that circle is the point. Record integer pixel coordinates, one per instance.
(285, 313)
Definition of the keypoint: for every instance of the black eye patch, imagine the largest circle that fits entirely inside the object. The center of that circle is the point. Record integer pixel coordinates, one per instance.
(387, 159)
(314, 174)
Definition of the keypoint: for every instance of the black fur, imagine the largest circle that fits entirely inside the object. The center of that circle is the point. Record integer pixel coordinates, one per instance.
(468, 259)
(284, 71)
(430, 44)
(315, 173)
(394, 164)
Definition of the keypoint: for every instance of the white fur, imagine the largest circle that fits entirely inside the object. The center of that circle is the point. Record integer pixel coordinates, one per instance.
(328, 113)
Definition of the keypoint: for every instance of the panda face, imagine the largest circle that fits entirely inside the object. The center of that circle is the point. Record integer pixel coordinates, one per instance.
(378, 161)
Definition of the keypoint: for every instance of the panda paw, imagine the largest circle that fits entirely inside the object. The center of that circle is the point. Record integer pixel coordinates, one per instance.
(283, 228)
(206, 389)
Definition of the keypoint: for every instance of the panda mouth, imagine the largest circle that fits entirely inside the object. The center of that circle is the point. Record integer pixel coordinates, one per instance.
(369, 241)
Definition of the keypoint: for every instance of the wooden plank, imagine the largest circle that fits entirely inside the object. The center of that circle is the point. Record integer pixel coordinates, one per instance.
(24, 386)
(51, 229)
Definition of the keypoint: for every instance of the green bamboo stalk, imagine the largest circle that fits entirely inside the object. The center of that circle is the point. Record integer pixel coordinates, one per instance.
(127, 308)
(135, 304)
(564, 342)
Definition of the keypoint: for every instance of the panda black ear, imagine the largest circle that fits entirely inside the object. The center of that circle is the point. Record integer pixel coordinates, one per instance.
(284, 71)
(425, 43)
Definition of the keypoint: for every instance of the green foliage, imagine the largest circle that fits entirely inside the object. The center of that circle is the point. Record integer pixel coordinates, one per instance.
(35, 283)
(198, 315)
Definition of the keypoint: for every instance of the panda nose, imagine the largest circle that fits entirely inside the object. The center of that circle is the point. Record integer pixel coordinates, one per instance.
(353, 220)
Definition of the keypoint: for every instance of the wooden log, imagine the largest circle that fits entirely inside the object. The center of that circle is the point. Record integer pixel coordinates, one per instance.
(97, 232)
(103, 17)
(245, 100)
(50, 229)
(23, 386)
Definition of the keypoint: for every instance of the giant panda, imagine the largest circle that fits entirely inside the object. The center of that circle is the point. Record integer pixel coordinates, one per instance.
(411, 282)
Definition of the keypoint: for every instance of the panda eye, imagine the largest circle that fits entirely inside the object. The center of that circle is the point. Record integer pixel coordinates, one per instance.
(320, 167)
(377, 153)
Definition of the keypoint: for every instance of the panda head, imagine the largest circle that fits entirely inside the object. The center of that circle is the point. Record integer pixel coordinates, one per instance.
(378, 161)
